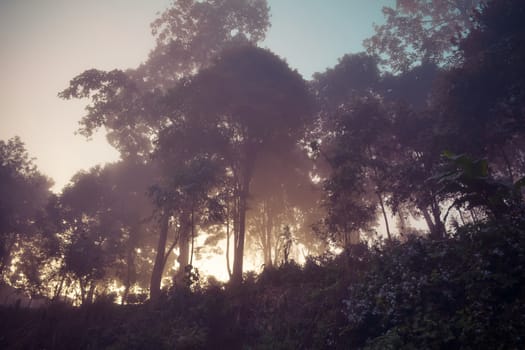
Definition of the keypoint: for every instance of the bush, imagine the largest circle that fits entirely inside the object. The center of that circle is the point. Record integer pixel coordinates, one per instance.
(463, 292)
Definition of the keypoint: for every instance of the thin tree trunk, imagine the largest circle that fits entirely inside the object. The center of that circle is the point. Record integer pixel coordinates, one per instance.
(228, 268)
(461, 217)
(473, 216)
(378, 194)
(428, 219)
(82, 291)
(384, 215)
(58, 289)
(158, 266)
(7, 255)
(90, 293)
(439, 226)
(436, 227)
(239, 246)
(269, 232)
(127, 282)
(130, 262)
(192, 236)
(401, 222)
(265, 234)
(184, 248)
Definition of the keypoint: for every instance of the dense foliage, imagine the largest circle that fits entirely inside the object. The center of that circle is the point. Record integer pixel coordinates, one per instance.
(466, 291)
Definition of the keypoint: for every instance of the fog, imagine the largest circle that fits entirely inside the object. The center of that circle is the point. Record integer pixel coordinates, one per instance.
(247, 184)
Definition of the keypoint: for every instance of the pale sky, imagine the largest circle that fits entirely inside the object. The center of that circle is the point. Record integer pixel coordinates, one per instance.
(45, 43)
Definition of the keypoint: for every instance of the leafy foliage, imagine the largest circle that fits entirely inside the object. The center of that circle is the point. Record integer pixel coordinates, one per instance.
(470, 181)
(461, 292)
(425, 31)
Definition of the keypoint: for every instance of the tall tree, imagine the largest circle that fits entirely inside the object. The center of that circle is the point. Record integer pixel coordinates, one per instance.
(252, 99)
(481, 101)
(378, 133)
(130, 105)
(186, 199)
(355, 143)
(360, 153)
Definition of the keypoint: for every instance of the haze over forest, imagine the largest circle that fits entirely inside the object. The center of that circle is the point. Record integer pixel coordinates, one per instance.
(375, 204)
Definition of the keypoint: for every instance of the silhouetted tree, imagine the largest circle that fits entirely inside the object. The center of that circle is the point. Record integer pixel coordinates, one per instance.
(105, 220)
(481, 101)
(255, 103)
(283, 194)
(356, 143)
(130, 105)
(186, 199)
(24, 193)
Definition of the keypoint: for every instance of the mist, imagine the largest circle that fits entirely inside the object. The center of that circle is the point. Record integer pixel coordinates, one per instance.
(242, 202)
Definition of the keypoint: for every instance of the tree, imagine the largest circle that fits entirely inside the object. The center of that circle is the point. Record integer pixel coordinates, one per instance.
(254, 102)
(481, 102)
(187, 197)
(378, 135)
(188, 34)
(359, 152)
(422, 31)
(127, 184)
(93, 237)
(191, 33)
(354, 75)
(131, 105)
(104, 219)
(24, 193)
(356, 143)
(283, 194)
(471, 184)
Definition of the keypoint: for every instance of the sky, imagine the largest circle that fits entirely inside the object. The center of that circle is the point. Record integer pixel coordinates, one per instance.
(45, 43)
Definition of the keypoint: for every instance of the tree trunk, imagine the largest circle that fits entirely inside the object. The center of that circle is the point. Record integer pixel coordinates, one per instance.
(158, 266)
(428, 219)
(436, 227)
(228, 240)
(265, 234)
(127, 282)
(130, 263)
(6, 254)
(90, 293)
(439, 225)
(192, 235)
(184, 247)
(269, 232)
(383, 210)
(238, 253)
(401, 221)
(58, 289)
(82, 291)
